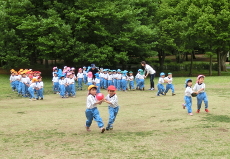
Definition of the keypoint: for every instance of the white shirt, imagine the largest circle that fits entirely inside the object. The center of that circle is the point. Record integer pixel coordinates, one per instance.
(118, 76)
(62, 82)
(110, 77)
(105, 76)
(55, 79)
(137, 75)
(90, 102)
(113, 100)
(198, 87)
(24, 80)
(71, 81)
(169, 80)
(131, 78)
(96, 80)
(66, 80)
(80, 75)
(33, 85)
(40, 84)
(84, 72)
(12, 78)
(123, 77)
(161, 80)
(188, 91)
(90, 80)
(149, 69)
(141, 76)
(114, 76)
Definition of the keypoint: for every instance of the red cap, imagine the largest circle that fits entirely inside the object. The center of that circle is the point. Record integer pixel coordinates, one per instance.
(112, 88)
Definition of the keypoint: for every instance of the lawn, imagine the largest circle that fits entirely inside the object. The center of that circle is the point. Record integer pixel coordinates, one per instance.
(147, 126)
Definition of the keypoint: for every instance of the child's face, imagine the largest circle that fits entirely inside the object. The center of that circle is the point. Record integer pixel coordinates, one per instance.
(70, 76)
(39, 80)
(201, 80)
(130, 74)
(170, 76)
(114, 72)
(80, 71)
(189, 84)
(163, 76)
(23, 75)
(55, 75)
(93, 91)
(111, 92)
(110, 73)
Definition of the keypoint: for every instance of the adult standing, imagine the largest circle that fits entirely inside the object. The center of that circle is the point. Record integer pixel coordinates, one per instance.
(94, 70)
(149, 71)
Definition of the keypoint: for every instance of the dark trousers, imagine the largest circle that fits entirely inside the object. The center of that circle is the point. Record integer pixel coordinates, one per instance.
(151, 80)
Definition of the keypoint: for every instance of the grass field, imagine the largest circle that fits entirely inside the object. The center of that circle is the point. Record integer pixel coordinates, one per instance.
(147, 126)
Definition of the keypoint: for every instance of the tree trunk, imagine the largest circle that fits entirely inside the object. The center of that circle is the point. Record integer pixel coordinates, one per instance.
(210, 65)
(161, 56)
(186, 56)
(46, 64)
(223, 57)
(191, 65)
(218, 61)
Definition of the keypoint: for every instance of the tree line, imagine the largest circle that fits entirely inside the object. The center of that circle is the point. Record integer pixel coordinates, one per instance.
(112, 32)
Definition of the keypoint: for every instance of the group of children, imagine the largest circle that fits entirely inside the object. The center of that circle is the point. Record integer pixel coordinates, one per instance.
(199, 91)
(27, 83)
(169, 85)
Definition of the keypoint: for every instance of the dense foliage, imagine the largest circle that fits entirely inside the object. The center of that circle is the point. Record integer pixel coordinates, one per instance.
(110, 32)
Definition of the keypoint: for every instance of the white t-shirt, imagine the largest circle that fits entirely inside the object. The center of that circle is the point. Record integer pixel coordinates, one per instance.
(131, 78)
(80, 75)
(161, 80)
(169, 80)
(141, 76)
(71, 81)
(198, 87)
(110, 77)
(118, 76)
(62, 82)
(90, 102)
(55, 79)
(137, 75)
(24, 80)
(90, 80)
(113, 100)
(188, 91)
(40, 84)
(33, 85)
(12, 78)
(149, 69)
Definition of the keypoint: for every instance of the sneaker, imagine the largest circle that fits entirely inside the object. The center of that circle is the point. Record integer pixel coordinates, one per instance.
(173, 94)
(207, 110)
(158, 94)
(198, 111)
(36, 98)
(107, 128)
(190, 114)
(102, 130)
(41, 99)
(183, 105)
(165, 94)
(111, 128)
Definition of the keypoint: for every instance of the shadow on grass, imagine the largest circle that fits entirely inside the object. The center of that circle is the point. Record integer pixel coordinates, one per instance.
(217, 118)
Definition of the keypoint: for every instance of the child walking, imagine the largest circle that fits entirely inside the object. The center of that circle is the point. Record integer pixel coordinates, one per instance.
(113, 107)
(55, 83)
(187, 97)
(201, 96)
(169, 84)
(91, 109)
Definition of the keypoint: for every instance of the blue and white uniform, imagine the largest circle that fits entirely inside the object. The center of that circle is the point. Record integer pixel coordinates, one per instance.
(55, 84)
(160, 86)
(113, 109)
(188, 99)
(202, 96)
(80, 77)
(169, 85)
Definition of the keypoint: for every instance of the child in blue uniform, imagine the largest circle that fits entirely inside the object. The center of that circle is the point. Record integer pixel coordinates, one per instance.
(160, 85)
(169, 84)
(40, 88)
(92, 111)
(97, 81)
(118, 79)
(131, 81)
(55, 83)
(187, 97)
(141, 80)
(202, 96)
(113, 107)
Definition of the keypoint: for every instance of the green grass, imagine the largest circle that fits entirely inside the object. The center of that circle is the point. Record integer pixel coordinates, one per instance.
(146, 126)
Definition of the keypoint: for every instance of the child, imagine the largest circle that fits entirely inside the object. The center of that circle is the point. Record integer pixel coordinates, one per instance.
(31, 88)
(169, 85)
(62, 86)
(40, 89)
(91, 109)
(55, 83)
(187, 97)
(90, 78)
(141, 80)
(80, 77)
(137, 78)
(85, 74)
(110, 78)
(101, 75)
(123, 80)
(72, 85)
(97, 82)
(113, 107)
(160, 85)
(105, 76)
(115, 78)
(24, 82)
(200, 87)
(118, 79)
(131, 82)
(12, 81)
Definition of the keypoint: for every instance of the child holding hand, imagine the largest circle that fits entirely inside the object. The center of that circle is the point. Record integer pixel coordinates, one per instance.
(113, 107)
(91, 109)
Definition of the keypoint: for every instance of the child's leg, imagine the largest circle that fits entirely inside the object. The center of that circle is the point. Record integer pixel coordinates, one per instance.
(205, 98)
(73, 91)
(98, 88)
(118, 85)
(188, 102)
(112, 116)
(172, 88)
(97, 118)
(167, 88)
(89, 117)
(199, 100)
(23, 90)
